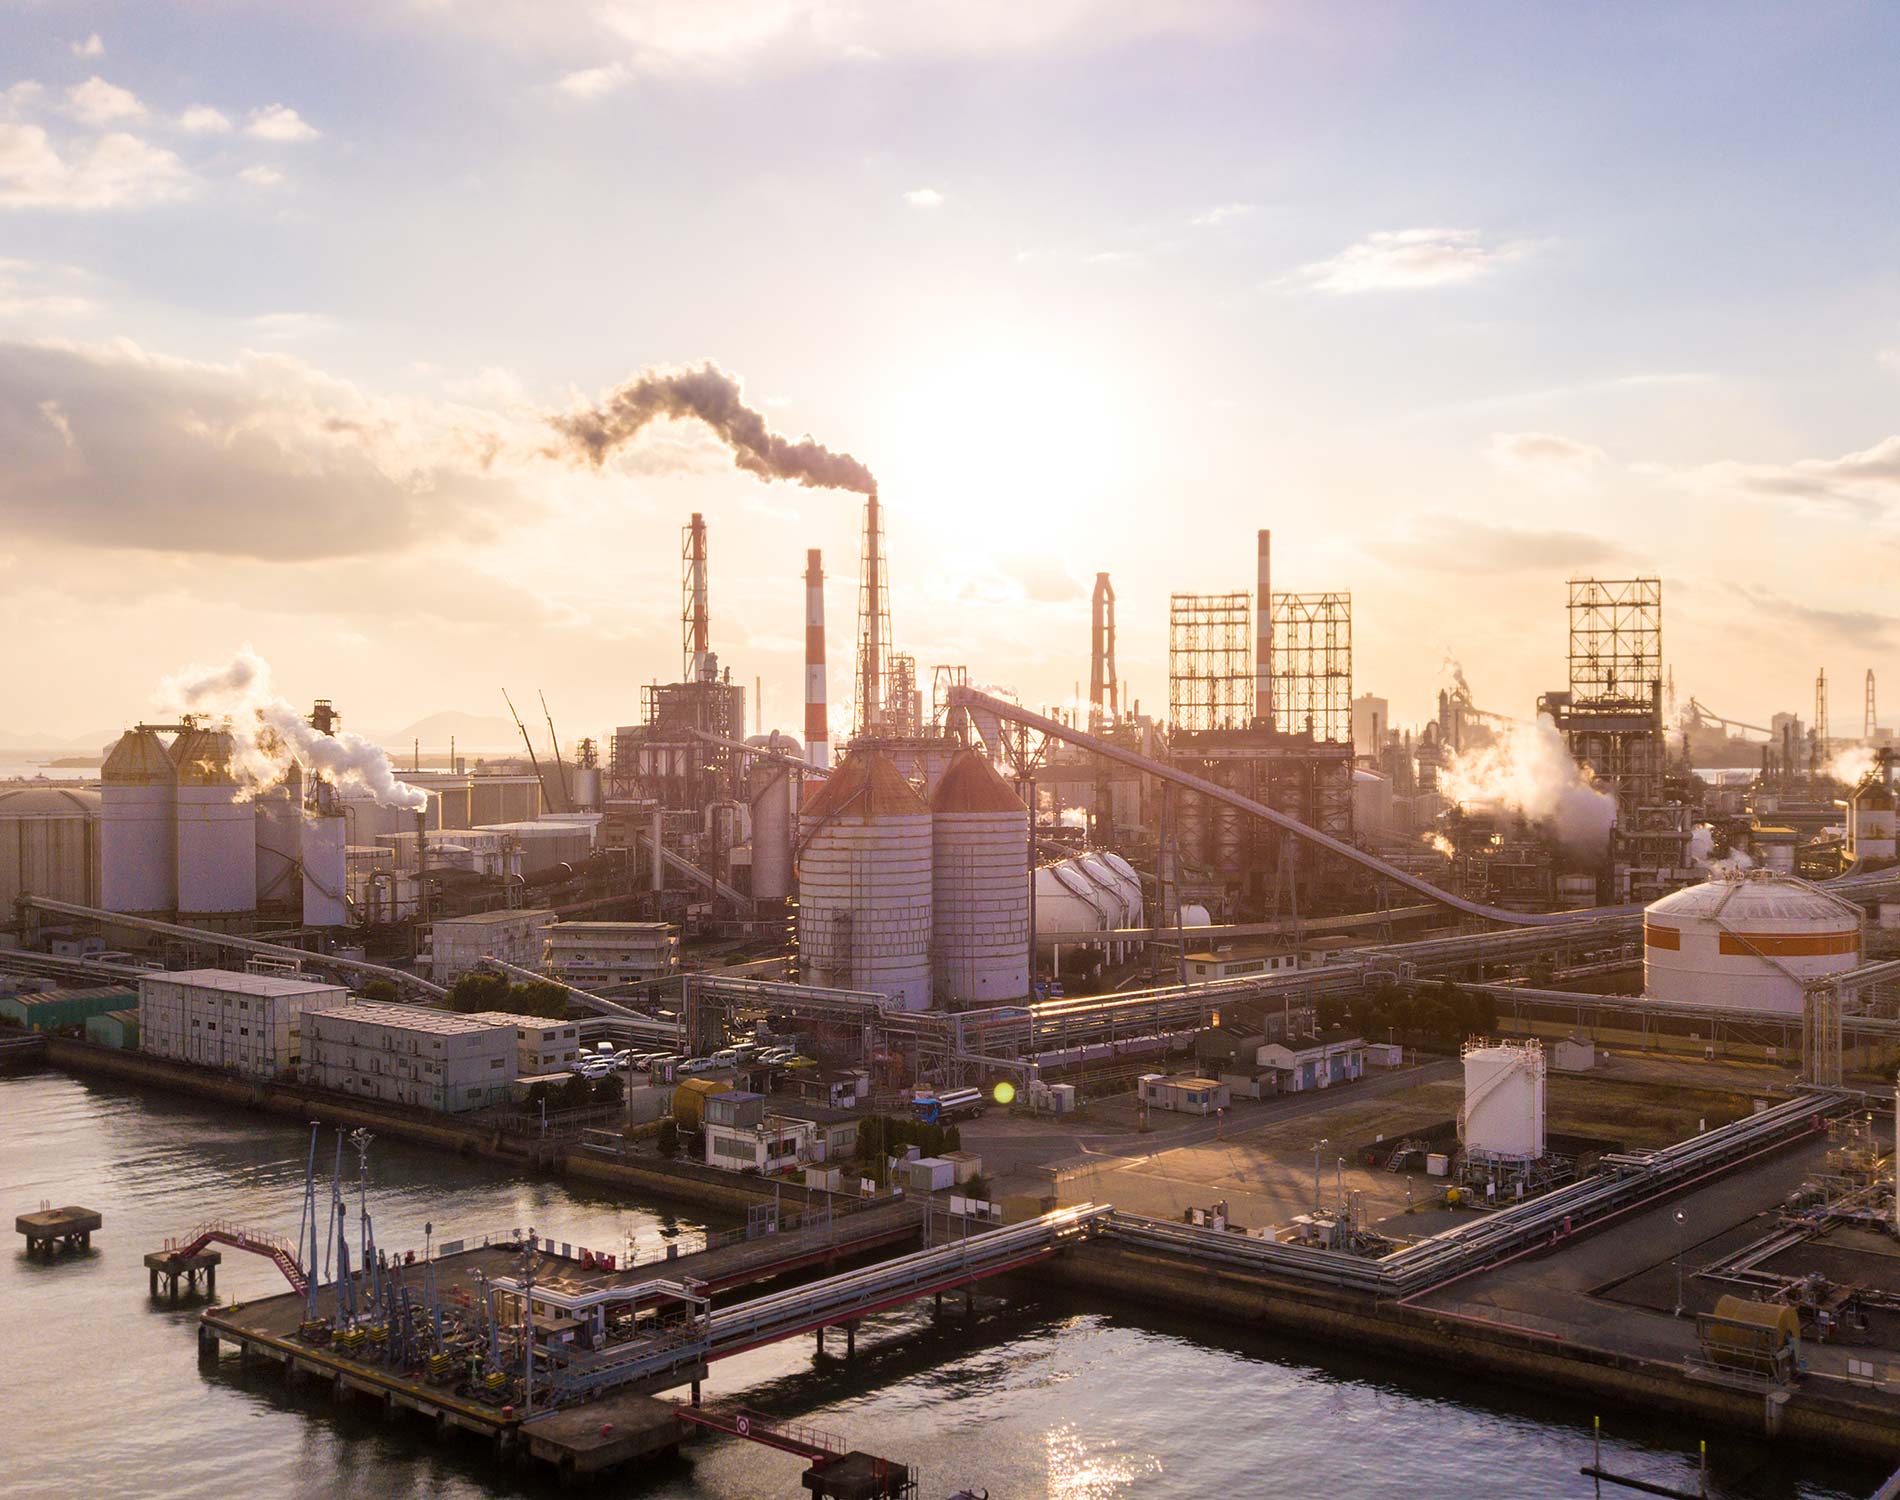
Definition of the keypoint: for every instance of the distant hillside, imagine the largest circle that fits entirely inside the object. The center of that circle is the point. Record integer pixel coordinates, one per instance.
(471, 732)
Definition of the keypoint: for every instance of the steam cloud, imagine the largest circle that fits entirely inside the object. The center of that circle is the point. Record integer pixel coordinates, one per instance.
(270, 733)
(1852, 765)
(706, 394)
(1702, 850)
(1529, 770)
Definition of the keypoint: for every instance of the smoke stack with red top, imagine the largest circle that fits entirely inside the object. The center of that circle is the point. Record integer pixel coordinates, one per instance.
(817, 728)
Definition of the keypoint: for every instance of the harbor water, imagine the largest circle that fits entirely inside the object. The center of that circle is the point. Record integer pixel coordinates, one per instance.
(1030, 1396)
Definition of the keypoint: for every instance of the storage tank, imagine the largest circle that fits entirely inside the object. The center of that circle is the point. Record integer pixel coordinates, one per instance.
(49, 844)
(325, 859)
(979, 885)
(1503, 1114)
(864, 883)
(770, 787)
(138, 837)
(279, 832)
(1746, 939)
(216, 833)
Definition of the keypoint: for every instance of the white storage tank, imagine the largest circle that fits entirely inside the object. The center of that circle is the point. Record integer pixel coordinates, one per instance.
(980, 885)
(49, 844)
(1746, 939)
(771, 787)
(216, 833)
(138, 840)
(864, 883)
(279, 832)
(325, 859)
(1068, 901)
(1503, 1114)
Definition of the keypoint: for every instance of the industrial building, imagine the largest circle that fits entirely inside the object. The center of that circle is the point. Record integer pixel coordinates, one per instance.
(605, 955)
(250, 1023)
(459, 944)
(542, 1045)
(54, 1009)
(405, 1054)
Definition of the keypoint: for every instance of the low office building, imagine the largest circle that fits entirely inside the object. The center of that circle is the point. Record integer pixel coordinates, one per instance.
(836, 1130)
(1187, 1096)
(408, 1055)
(601, 955)
(541, 1045)
(459, 944)
(1313, 1062)
(254, 1024)
(1239, 963)
(49, 1010)
(774, 1143)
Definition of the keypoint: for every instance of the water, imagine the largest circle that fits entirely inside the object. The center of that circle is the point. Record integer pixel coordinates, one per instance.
(1042, 1396)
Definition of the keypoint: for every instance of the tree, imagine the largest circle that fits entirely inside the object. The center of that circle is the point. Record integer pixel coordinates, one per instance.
(609, 1089)
(576, 1091)
(380, 989)
(668, 1140)
(478, 990)
(540, 1093)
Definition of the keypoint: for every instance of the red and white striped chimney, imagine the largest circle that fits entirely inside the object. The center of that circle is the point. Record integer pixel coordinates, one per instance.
(817, 726)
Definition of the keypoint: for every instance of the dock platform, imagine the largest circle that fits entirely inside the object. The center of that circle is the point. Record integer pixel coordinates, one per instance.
(174, 1266)
(50, 1230)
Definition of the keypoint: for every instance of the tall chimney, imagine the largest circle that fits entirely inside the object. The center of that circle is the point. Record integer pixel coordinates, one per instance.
(695, 617)
(1263, 633)
(1104, 692)
(817, 727)
(873, 618)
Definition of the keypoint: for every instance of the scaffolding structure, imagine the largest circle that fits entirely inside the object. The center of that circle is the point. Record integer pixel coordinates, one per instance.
(1104, 690)
(1210, 661)
(1869, 724)
(942, 679)
(1312, 665)
(695, 614)
(874, 625)
(903, 699)
(1821, 736)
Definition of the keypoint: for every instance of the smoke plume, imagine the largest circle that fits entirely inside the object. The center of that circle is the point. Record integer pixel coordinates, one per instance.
(1852, 765)
(1528, 770)
(706, 394)
(1702, 852)
(270, 733)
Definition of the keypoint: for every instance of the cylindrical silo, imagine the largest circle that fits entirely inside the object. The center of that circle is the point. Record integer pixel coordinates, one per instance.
(137, 827)
(217, 834)
(864, 883)
(1503, 1114)
(980, 885)
(325, 859)
(770, 790)
(49, 844)
(279, 819)
(1747, 939)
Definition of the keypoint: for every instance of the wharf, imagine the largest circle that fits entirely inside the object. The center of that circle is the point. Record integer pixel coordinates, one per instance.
(48, 1230)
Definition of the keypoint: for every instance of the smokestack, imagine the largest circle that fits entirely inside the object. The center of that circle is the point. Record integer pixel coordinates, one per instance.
(1104, 691)
(695, 617)
(1263, 633)
(873, 621)
(817, 727)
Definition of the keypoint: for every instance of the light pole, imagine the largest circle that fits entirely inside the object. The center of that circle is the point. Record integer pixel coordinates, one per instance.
(1318, 1146)
(1678, 1263)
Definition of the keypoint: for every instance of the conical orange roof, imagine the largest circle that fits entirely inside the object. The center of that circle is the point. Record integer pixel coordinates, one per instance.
(866, 785)
(972, 785)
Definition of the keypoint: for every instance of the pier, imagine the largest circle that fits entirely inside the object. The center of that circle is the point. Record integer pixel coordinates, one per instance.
(49, 1230)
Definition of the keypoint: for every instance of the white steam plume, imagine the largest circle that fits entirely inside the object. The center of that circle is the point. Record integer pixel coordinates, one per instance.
(1702, 850)
(1528, 769)
(707, 394)
(1852, 765)
(270, 733)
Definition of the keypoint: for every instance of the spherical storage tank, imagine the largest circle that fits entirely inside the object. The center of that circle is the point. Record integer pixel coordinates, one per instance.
(49, 844)
(217, 832)
(980, 885)
(1503, 1114)
(138, 840)
(864, 883)
(1746, 939)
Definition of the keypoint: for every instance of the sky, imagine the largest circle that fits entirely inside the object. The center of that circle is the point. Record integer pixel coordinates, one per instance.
(1460, 300)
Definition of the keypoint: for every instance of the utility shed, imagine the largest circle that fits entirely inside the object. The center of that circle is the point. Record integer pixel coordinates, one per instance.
(114, 1028)
(1187, 1096)
(49, 1010)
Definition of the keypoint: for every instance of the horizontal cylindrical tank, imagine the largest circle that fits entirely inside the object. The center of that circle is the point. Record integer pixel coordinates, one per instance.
(864, 883)
(1503, 1114)
(979, 885)
(1747, 939)
(138, 837)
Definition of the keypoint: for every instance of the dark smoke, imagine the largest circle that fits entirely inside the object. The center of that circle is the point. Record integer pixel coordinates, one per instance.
(707, 393)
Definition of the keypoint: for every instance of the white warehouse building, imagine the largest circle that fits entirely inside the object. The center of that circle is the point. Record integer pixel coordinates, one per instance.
(604, 954)
(254, 1024)
(405, 1054)
(541, 1045)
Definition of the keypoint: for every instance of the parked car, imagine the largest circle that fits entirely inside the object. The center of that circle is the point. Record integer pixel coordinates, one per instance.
(697, 1065)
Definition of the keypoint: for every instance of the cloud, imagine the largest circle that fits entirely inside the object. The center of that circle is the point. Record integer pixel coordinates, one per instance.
(924, 198)
(1865, 484)
(264, 458)
(98, 103)
(1851, 627)
(91, 47)
(1545, 456)
(37, 292)
(1890, 358)
(202, 119)
(262, 177)
(1223, 213)
(114, 171)
(591, 83)
(1440, 543)
(279, 122)
(1407, 259)
(290, 325)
